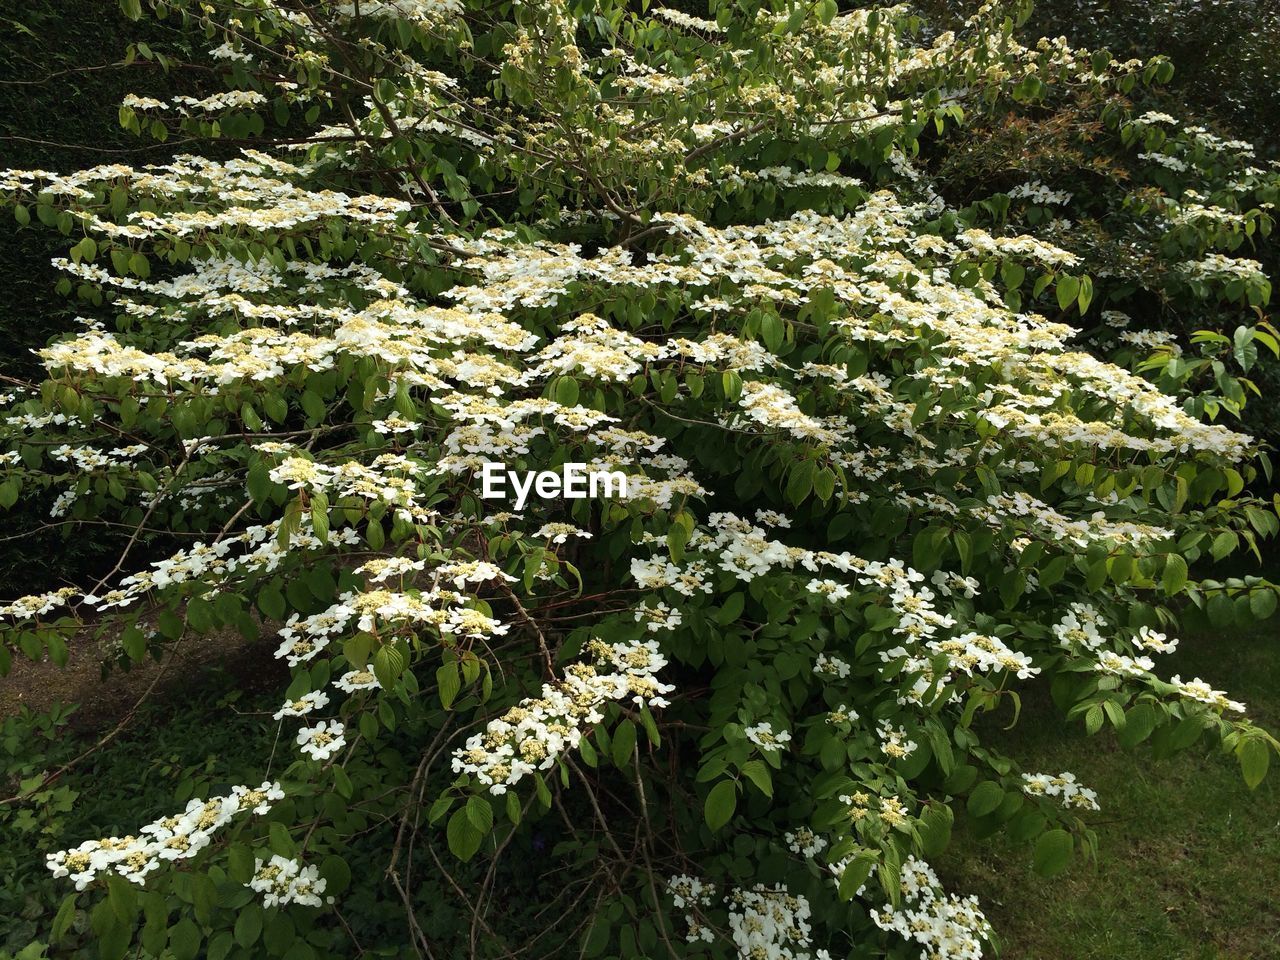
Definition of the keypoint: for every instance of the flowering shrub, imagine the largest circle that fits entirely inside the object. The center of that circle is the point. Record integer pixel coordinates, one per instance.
(871, 484)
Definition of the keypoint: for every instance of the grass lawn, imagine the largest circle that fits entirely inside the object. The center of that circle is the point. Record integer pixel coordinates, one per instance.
(1189, 858)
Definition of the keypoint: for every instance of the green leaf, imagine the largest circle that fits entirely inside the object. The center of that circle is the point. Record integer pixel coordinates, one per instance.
(624, 743)
(280, 934)
(123, 899)
(463, 837)
(388, 664)
(677, 537)
(1262, 602)
(514, 812)
(800, 482)
(824, 484)
(1052, 853)
(935, 829)
(1175, 574)
(248, 925)
(732, 609)
(439, 808)
(480, 814)
(721, 802)
(336, 874)
(184, 940)
(588, 753)
(1085, 296)
(1138, 724)
(220, 945)
(986, 797)
(1067, 289)
(758, 773)
(240, 863)
(566, 392)
(855, 874)
(204, 897)
(62, 920)
(1255, 757)
(650, 727)
(449, 682)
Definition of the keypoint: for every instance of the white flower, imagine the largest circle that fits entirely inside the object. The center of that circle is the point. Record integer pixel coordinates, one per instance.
(1063, 786)
(308, 702)
(354, 681)
(323, 740)
(658, 617)
(1149, 639)
(1200, 691)
(764, 737)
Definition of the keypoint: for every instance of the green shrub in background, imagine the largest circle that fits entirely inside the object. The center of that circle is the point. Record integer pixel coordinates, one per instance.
(61, 75)
(1226, 55)
(872, 485)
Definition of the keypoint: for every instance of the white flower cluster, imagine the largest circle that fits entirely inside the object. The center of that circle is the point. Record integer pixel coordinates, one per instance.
(532, 735)
(658, 617)
(1024, 246)
(323, 740)
(1079, 630)
(770, 924)
(1071, 794)
(691, 894)
(218, 562)
(1201, 692)
(946, 926)
(1153, 640)
(282, 881)
(766, 738)
(894, 744)
(831, 666)
(972, 651)
(805, 842)
(1037, 192)
(177, 837)
(1122, 665)
(383, 612)
(1216, 266)
(765, 923)
(684, 20)
(37, 605)
(425, 12)
(772, 407)
(389, 480)
(558, 533)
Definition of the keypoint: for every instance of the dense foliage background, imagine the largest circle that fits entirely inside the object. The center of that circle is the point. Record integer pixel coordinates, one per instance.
(215, 730)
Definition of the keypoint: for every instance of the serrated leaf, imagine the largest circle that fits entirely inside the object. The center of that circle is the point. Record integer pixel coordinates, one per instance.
(480, 814)
(388, 664)
(449, 683)
(1052, 853)
(1175, 574)
(986, 797)
(463, 837)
